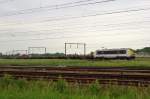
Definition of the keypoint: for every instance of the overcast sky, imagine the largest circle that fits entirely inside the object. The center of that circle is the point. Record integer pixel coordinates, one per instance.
(88, 22)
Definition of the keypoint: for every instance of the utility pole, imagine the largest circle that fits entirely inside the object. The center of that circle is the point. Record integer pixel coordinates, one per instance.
(84, 49)
(65, 49)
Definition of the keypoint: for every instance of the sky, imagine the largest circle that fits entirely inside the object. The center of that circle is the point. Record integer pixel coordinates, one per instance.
(51, 23)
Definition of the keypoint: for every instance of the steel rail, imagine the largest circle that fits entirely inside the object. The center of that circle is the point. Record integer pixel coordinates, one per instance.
(89, 69)
(109, 75)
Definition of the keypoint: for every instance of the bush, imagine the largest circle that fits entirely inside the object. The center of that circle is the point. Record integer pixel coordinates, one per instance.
(94, 88)
(61, 85)
(6, 81)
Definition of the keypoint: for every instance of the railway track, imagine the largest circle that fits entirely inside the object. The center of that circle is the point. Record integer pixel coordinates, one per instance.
(84, 75)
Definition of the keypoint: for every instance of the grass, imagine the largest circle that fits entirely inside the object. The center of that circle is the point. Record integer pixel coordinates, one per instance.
(69, 62)
(23, 89)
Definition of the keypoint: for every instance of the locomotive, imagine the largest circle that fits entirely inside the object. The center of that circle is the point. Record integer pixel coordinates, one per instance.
(122, 53)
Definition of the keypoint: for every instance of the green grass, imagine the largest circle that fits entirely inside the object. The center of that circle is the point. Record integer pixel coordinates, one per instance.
(22, 89)
(69, 62)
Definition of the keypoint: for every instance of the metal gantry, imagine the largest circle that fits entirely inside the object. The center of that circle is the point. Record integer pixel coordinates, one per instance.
(19, 52)
(77, 44)
(30, 49)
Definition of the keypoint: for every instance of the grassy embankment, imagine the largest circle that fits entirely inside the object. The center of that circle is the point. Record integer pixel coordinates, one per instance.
(69, 62)
(22, 89)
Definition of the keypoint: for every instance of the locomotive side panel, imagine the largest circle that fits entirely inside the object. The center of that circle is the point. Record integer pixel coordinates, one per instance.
(114, 53)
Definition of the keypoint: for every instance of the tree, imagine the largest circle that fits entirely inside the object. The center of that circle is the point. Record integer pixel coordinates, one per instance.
(144, 50)
(1, 54)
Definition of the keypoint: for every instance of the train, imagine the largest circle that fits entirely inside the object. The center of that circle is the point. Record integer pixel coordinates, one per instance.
(122, 53)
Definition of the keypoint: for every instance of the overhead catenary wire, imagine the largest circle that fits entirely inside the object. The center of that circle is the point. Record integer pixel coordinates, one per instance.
(54, 7)
(99, 14)
(50, 32)
(5, 1)
(30, 33)
(134, 10)
(72, 36)
(90, 15)
(80, 25)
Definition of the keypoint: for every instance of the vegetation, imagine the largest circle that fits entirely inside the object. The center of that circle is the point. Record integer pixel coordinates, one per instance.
(23, 89)
(69, 62)
(145, 50)
(33, 56)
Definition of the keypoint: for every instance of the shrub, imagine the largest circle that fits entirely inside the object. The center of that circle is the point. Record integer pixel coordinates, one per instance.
(94, 88)
(61, 85)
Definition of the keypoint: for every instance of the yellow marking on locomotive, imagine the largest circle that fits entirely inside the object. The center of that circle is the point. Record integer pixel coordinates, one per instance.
(130, 52)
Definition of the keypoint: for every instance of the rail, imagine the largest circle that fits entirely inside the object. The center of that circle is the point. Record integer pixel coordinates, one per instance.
(84, 75)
